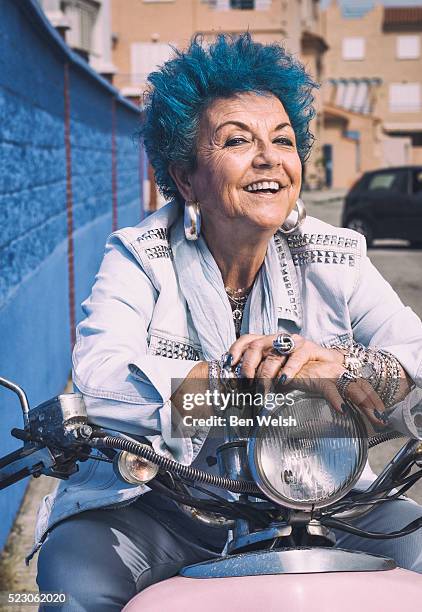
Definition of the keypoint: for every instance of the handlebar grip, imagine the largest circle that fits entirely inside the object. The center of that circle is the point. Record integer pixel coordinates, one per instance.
(15, 478)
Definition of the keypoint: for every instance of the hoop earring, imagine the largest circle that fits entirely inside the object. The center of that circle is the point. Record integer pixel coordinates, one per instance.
(192, 220)
(301, 216)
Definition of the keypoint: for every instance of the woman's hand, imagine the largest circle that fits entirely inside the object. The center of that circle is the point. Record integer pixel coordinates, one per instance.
(309, 368)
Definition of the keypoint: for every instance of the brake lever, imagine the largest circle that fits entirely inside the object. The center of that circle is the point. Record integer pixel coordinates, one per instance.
(31, 459)
(55, 437)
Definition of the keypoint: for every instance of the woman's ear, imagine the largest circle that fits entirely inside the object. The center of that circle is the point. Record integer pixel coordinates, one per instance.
(182, 178)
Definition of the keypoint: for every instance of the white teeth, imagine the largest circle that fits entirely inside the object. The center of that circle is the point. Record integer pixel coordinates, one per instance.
(263, 185)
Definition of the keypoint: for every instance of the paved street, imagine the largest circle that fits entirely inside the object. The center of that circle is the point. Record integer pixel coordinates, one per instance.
(402, 267)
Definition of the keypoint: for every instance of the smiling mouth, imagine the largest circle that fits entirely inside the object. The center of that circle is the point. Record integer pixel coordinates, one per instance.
(262, 187)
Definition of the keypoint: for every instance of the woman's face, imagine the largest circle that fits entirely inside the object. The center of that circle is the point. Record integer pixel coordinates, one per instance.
(248, 167)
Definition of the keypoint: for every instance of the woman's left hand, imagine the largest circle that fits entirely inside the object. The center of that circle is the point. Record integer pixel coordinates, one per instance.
(310, 367)
(260, 360)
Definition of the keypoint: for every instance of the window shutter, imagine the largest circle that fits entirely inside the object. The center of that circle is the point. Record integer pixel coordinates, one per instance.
(405, 97)
(262, 5)
(408, 47)
(353, 48)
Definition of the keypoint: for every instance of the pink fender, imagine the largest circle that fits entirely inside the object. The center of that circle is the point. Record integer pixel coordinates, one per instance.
(390, 591)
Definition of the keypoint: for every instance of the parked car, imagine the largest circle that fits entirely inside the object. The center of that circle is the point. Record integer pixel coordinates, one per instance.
(386, 203)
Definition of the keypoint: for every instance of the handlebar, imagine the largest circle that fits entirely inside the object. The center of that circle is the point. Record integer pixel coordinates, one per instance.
(57, 435)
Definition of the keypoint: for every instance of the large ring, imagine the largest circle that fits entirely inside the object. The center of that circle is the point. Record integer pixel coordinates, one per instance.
(284, 344)
(344, 381)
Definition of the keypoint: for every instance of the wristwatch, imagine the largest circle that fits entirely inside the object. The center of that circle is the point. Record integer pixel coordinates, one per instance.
(368, 372)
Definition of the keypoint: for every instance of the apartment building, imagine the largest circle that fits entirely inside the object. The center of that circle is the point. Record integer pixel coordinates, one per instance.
(372, 96)
(127, 39)
(144, 32)
(85, 25)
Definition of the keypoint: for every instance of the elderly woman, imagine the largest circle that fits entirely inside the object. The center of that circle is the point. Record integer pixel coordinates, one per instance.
(227, 266)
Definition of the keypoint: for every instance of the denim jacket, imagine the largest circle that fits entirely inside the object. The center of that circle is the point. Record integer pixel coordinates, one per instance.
(138, 335)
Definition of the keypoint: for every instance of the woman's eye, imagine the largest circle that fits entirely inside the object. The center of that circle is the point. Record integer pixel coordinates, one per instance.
(284, 140)
(232, 142)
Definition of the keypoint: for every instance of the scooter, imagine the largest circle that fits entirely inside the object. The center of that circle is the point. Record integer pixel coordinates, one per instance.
(291, 489)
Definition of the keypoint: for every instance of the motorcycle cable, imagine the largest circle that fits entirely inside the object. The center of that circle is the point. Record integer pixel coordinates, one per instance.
(252, 507)
(248, 508)
(183, 499)
(388, 498)
(365, 497)
(374, 502)
(188, 472)
(194, 485)
(248, 512)
(231, 512)
(405, 485)
(384, 437)
(374, 535)
(101, 459)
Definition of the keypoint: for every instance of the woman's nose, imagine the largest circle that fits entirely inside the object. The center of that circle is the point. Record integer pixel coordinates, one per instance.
(267, 156)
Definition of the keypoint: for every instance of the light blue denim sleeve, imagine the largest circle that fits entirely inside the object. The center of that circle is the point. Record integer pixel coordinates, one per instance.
(406, 416)
(113, 336)
(380, 319)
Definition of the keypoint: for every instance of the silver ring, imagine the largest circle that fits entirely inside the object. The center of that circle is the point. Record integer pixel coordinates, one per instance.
(344, 381)
(284, 344)
(237, 370)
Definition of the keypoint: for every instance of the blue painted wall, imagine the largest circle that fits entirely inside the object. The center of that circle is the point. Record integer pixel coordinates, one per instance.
(34, 287)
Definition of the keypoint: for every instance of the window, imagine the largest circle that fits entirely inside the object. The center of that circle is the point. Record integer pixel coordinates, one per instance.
(308, 13)
(408, 47)
(393, 181)
(242, 4)
(353, 94)
(417, 181)
(361, 100)
(146, 57)
(225, 5)
(82, 15)
(405, 97)
(341, 90)
(349, 94)
(353, 48)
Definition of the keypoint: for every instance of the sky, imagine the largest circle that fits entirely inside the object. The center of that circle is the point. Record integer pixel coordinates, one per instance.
(368, 4)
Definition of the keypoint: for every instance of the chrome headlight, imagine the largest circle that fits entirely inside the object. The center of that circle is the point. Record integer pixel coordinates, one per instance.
(312, 462)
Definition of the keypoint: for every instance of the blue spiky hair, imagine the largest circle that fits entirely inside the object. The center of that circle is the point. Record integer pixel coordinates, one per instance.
(183, 87)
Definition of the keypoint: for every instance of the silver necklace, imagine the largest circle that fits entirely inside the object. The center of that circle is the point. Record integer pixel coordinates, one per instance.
(238, 299)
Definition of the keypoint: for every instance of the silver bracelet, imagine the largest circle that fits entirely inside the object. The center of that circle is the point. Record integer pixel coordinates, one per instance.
(392, 385)
(344, 381)
(214, 376)
(383, 372)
